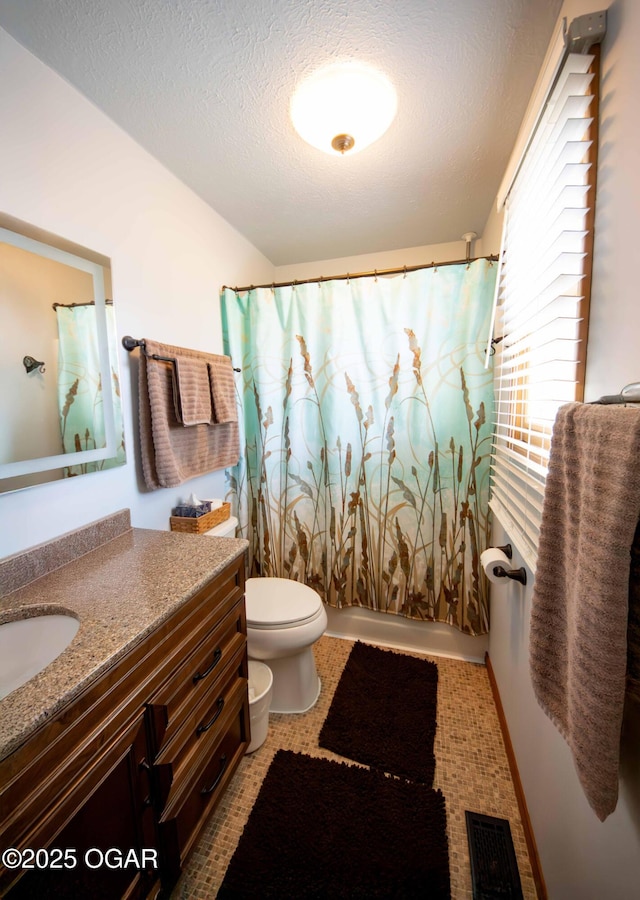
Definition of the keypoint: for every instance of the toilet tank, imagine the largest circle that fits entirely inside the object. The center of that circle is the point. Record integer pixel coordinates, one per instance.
(227, 528)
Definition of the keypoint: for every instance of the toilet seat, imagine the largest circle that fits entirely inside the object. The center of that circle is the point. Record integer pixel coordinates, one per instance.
(276, 603)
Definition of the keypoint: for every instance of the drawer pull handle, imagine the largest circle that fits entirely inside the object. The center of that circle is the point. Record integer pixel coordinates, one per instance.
(216, 659)
(211, 788)
(202, 728)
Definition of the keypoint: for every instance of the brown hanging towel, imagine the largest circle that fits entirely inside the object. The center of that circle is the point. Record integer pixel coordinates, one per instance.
(579, 616)
(172, 453)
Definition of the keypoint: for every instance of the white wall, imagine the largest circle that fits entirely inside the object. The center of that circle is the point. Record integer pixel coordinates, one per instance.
(582, 858)
(68, 169)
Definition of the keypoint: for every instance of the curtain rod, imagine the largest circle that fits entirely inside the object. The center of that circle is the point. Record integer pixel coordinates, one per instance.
(72, 305)
(402, 270)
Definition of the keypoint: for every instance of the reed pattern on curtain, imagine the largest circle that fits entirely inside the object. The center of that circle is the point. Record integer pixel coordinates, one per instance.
(365, 437)
(80, 386)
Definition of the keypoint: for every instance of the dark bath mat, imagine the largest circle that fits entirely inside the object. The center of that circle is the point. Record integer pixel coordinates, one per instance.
(324, 829)
(383, 713)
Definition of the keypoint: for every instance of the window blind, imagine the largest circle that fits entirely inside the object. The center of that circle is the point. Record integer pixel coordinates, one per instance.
(542, 312)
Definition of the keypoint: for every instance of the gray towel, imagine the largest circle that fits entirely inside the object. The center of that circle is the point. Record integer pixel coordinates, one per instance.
(579, 616)
(170, 452)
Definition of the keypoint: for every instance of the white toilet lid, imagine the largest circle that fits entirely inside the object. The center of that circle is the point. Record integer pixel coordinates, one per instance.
(273, 602)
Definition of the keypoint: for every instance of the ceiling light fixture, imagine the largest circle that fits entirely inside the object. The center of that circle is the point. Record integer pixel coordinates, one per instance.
(344, 107)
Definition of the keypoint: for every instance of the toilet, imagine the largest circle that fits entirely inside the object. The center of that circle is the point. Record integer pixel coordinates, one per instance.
(284, 619)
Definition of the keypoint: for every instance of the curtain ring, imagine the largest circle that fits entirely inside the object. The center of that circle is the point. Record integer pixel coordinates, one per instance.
(375, 272)
(405, 272)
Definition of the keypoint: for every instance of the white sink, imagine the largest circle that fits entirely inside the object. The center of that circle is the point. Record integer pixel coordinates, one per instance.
(28, 645)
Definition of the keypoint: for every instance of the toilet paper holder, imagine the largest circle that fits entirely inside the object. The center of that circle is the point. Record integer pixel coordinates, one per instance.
(515, 574)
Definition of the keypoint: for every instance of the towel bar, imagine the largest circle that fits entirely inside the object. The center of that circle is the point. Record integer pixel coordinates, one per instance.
(130, 343)
(630, 393)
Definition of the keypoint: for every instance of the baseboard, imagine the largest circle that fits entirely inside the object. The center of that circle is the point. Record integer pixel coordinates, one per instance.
(536, 868)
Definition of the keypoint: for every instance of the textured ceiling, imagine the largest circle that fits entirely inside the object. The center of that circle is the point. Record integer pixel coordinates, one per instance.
(204, 85)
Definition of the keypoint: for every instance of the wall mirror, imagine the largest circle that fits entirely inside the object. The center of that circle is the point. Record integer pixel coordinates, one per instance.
(60, 403)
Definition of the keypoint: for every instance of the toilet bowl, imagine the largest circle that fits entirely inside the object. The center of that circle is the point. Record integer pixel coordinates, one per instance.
(284, 619)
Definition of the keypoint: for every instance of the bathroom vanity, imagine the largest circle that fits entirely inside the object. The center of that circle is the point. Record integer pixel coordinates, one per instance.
(115, 754)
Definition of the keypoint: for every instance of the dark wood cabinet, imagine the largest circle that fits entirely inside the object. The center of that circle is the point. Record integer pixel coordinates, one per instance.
(199, 731)
(136, 764)
(203, 779)
(113, 819)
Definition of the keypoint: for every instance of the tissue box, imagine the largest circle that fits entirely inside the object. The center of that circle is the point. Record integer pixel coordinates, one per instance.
(191, 512)
(199, 525)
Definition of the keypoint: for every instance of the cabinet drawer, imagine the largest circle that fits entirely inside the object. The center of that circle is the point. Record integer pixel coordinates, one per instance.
(208, 777)
(196, 676)
(201, 729)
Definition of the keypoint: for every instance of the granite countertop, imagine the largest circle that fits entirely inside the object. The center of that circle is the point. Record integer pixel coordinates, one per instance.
(120, 592)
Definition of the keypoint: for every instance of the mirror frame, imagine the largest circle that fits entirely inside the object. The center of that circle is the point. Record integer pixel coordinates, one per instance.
(45, 463)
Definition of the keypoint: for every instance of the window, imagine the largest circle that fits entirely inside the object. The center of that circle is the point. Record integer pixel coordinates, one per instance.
(543, 301)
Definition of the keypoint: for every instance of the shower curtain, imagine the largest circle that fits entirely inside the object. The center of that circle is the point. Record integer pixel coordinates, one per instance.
(80, 386)
(365, 413)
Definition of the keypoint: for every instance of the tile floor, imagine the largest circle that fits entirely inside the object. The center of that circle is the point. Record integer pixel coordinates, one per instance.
(471, 770)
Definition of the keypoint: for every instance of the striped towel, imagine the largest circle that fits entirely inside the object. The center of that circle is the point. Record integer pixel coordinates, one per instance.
(191, 392)
(171, 453)
(633, 632)
(580, 605)
(223, 390)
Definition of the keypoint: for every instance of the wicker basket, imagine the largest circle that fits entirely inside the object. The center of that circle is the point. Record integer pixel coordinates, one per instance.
(199, 525)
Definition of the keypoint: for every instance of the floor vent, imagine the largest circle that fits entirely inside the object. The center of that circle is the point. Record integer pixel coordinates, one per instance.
(494, 870)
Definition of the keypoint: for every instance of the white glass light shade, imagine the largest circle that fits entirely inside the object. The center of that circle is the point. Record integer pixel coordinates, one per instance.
(348, 100)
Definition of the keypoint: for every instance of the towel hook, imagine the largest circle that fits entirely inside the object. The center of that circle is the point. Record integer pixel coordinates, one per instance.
(30, 364)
